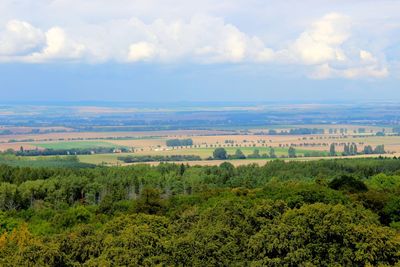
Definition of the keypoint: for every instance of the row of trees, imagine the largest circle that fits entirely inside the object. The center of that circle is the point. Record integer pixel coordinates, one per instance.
(179, 142)
(62, 152)
(303, 131)
(351, 149)
(221, 154)
(296, 131)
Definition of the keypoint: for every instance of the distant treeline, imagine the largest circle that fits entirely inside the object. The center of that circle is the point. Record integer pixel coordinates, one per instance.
(141, 126)
(158, 158)
(295, 131)
(62, 152)
(179, 142)
(21, 140)
(33, 131)
(86, 138)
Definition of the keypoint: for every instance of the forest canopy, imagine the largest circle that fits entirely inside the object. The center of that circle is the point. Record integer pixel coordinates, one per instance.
(316, 213)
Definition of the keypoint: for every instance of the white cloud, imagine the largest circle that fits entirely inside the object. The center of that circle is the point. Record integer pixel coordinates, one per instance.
(141, 51)
(321, 43)
(202, 39)
(366, 56)
(22, 42)
(58, 46)
(19, 38)
(213, 40)
(325, 71)
(366, 71)
(326, 47)
(265, 55)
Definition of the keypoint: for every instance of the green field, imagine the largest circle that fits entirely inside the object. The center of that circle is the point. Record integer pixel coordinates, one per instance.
(75, 145)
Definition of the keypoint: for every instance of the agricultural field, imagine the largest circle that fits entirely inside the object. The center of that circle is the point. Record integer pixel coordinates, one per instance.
(204, 142)
(204, 153)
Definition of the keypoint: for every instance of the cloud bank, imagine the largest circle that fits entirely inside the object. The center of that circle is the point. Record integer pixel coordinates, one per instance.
(331, 45)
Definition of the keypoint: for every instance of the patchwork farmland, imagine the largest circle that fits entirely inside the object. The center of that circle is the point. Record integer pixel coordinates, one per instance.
(204, 142)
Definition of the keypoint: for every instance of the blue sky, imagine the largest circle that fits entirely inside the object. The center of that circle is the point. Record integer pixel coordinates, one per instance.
(72, 50)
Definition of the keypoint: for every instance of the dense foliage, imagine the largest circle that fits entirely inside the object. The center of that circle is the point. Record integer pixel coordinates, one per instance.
(317, 213)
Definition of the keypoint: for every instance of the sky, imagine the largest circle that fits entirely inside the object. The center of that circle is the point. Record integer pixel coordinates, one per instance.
(170, 50)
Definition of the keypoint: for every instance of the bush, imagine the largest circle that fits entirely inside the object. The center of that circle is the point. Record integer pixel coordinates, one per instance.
(349, 184)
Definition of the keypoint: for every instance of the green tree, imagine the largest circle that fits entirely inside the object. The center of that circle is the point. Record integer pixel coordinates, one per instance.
(272, 153)
(379, 149)
(332, 151)
(349, 184)
(383, 182)
(292, 152)
(368, 150)
(354, 149)
(150, 201)
(73, 216)
(346, 150)
(239, 154)
(220, 153)
(255, 154)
